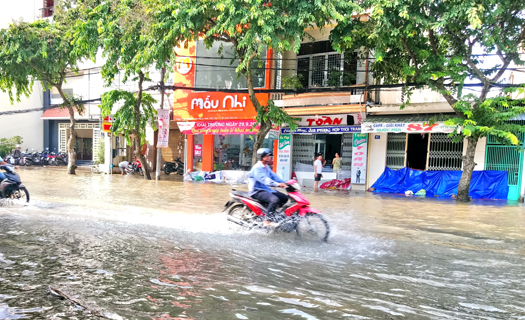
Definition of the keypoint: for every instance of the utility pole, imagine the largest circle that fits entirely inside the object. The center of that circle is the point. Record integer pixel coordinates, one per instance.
(159, 150)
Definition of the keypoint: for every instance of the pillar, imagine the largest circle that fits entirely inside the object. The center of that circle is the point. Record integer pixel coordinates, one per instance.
(189, 152)
(275, 150)
(207, 152)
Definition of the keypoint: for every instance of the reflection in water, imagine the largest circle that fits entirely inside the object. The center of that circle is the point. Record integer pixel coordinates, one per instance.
(147, 250)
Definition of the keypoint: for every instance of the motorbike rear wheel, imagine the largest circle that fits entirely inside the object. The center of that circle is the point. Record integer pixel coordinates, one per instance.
(167, 170)
(313, 226)
(21, 195)
(180, 170)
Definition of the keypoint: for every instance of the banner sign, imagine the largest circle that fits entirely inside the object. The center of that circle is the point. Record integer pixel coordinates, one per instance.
(329, 120)
(412, 127)
(346, 129)
(190, 105)
(359, 154)
(164, 127)
(197, 150)
(284, 156)
(218, 127)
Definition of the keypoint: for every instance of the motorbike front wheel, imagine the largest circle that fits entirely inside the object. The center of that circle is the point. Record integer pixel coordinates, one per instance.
(21, 194)
(313, 226)
(180, 170)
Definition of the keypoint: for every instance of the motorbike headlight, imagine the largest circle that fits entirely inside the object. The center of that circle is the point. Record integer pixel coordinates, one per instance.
(296, 186)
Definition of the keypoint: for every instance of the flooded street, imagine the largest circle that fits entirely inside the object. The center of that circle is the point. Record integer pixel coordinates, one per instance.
(132, 249)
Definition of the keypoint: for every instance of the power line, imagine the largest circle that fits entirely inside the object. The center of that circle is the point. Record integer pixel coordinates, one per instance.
(385, 87)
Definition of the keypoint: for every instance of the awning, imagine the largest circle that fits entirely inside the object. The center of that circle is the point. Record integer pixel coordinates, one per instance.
(325, 130)
(59, 114)
(218, 127)
(411, 123)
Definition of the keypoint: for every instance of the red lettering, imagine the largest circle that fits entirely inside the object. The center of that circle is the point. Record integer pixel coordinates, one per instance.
(337, 121)
(360, 147)
(414, 127)
(319, 122)
(310, 121)
(430, 127)
(327, 121)
(358, 164)
(358, 159)
(359, 153)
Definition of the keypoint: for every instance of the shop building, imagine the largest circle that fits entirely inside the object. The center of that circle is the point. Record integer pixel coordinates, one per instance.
(328, 121)
(219, 126)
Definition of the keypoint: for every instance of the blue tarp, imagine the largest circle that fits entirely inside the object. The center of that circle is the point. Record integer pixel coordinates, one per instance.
(484, 184)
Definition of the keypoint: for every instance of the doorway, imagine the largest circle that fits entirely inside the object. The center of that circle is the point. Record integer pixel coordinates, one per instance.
(84, 148)
(417, 146)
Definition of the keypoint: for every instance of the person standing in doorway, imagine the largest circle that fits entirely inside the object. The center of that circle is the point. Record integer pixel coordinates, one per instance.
(318, 169)
(336, 164)
(358, 176)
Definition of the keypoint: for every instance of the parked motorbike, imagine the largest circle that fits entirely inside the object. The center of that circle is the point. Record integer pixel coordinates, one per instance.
(61, 159)
(295, 216)
(12, 187)
(176, 166)
(136, 166)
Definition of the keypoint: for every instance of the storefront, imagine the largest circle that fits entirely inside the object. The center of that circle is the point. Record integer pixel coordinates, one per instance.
(328, 134)
(219, 126)
(413, 141)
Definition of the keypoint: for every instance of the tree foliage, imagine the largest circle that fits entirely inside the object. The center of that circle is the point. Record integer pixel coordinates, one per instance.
(251, 26)
(42, 51)
(7, 146)
(445, 45)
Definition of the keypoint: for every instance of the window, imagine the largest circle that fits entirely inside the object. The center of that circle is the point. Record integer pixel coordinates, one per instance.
(214, 71)
(319, 65)
(48, 8)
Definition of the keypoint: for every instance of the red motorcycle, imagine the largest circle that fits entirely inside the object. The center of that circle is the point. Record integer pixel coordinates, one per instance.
(295, 216)
(136, 166)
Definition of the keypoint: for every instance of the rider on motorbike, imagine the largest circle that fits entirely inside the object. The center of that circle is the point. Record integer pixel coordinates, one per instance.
(260, 179)
(2, 163)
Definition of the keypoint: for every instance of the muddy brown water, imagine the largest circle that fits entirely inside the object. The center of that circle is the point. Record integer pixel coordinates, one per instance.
(163, 250)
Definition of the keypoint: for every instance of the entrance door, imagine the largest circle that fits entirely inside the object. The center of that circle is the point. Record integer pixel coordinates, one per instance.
(417, 151)
(84, 148)
(506, 158)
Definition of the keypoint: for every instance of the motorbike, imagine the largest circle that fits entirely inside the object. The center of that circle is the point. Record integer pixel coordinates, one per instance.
(295, 216)
(12, 187)
(176, 166)
(134, 167)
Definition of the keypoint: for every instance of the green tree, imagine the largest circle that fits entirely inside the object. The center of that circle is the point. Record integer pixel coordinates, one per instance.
(7, 146)
(124, 32)
(251, 26)
(41, 51)
(445, 45)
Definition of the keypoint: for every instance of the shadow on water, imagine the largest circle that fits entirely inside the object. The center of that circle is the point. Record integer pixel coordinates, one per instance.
(163, 250)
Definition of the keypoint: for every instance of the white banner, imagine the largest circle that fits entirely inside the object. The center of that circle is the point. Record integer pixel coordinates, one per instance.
(164, 127)
(411, 127)
(359, 154)
(284, 156)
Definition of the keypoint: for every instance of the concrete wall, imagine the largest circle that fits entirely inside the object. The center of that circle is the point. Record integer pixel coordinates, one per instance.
(28, 124)
(376, 157)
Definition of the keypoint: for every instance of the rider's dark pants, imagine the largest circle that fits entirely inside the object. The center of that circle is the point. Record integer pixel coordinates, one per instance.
(273, 200)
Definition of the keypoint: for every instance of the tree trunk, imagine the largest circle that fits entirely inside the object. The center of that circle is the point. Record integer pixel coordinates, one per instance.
(468, 168)
(71, 154)
(136, 131)
(266, 126)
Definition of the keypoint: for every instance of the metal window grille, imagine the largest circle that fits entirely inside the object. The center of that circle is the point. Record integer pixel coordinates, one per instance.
(444, 154)
(395, 150)
(318, 71)
(303, 149)
(346, 152)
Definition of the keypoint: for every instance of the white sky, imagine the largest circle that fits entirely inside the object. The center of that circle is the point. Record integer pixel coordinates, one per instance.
(14, 10)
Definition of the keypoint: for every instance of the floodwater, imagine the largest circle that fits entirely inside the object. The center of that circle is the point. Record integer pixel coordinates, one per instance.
(130, 249)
